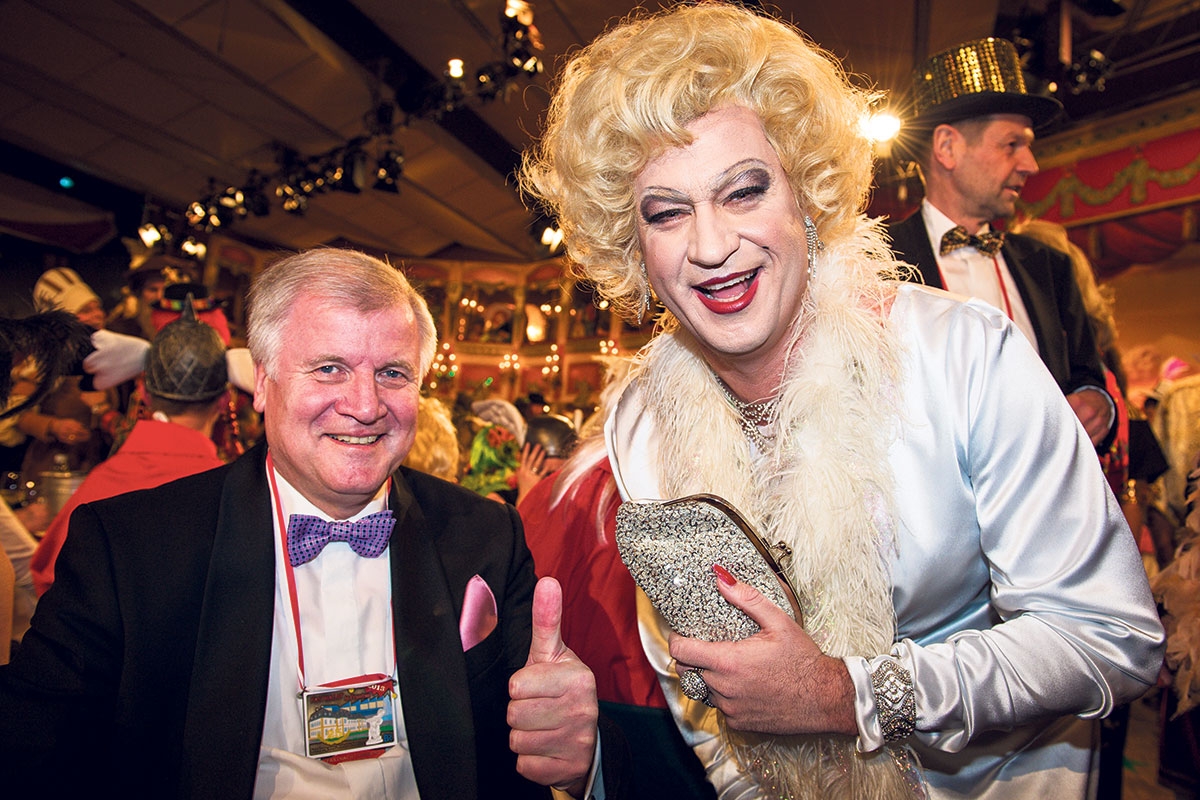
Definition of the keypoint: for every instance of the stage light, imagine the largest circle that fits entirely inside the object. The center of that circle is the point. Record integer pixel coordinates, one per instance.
(389, 170)
(552, 238)
(880, 126)
(149, 234)
(195, 249)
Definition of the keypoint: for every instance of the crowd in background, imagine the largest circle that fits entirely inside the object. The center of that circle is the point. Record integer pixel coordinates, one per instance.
(190, 409)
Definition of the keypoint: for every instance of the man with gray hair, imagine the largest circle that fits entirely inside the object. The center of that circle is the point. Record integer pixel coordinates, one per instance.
(237, 633)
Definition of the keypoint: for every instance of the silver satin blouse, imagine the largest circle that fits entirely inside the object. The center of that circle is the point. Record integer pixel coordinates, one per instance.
(1022, 606)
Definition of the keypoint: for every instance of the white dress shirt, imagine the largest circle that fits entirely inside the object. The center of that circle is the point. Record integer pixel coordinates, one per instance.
(968, 272)
(346, 626)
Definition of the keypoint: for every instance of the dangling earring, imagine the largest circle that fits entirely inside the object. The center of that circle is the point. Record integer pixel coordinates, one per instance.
(814, 244)
(645, 305)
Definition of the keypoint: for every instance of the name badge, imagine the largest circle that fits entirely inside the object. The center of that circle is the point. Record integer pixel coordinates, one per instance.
(351, 718)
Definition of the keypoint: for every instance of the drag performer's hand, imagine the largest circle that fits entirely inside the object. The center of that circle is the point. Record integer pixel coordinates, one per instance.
(776, 681)
(553, 712)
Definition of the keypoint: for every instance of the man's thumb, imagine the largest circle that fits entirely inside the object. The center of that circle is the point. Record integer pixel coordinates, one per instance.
(546, 644)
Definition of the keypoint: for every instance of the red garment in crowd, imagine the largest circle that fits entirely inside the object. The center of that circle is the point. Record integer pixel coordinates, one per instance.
(599, 598)
(153, 454)
(1115, 461)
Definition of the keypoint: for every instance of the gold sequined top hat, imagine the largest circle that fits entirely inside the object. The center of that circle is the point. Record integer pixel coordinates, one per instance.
(976, 79)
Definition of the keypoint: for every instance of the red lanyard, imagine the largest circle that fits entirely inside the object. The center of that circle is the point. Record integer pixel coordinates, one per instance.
(289, 574)
(999, 279)
(1003, 288)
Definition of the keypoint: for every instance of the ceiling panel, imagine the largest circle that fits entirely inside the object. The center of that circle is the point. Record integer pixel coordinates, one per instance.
(159, 96)
(31, 36)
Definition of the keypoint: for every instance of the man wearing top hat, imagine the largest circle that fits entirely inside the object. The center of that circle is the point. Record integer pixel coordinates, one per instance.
(974, 131)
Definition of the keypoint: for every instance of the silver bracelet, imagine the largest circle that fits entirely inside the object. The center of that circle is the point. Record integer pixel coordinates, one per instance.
(894, 696)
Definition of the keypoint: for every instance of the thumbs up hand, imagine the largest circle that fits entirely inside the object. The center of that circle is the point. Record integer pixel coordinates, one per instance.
(553, 711)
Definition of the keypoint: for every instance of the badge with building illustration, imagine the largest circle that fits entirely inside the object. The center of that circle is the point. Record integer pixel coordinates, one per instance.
(350, 719)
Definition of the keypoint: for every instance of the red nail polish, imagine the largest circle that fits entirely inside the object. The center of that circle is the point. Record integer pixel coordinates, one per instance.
(723, 575)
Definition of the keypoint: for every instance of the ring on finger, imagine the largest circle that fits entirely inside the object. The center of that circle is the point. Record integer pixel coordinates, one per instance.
(692, 684)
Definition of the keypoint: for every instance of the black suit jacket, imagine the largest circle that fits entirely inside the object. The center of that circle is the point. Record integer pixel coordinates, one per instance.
(1045, 279)
(146, 670)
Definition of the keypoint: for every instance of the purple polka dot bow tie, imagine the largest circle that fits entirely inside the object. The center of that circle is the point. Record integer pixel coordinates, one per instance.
(307, 535)
(986, 243)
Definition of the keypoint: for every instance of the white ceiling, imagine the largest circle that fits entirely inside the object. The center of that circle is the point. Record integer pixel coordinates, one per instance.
(160, 96)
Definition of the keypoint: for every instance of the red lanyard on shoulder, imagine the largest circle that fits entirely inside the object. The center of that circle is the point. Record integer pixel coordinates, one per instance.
(999, 279)
(289, 573)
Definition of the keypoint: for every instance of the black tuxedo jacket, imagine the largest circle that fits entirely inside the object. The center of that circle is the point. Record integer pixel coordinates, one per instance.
(146, 670)
(1045, 279)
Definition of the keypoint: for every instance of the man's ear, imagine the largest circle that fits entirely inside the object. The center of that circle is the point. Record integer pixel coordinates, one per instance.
(945, 146)
(260, 387)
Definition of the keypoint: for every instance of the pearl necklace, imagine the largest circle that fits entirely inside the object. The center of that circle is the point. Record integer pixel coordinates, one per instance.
(753, 416)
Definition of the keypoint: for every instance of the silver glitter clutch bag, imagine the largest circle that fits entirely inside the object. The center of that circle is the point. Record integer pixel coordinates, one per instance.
(670, 548)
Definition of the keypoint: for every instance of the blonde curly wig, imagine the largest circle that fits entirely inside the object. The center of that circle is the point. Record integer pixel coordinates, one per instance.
(628, 96)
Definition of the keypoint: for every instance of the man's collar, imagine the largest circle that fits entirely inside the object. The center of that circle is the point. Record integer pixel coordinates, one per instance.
(937, 223)
(292, 502)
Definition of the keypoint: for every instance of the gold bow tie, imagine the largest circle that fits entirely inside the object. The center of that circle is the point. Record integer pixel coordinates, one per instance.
(987, 243)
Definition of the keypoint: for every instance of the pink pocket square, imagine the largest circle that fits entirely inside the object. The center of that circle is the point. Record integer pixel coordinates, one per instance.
(478, 613)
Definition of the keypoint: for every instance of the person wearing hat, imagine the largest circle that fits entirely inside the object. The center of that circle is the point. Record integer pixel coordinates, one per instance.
(186, 385)
(974, 131)
(144, 288)
(72, 418)
(57, 345)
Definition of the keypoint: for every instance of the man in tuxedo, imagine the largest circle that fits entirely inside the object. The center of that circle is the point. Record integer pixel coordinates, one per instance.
(973, 135)
(311, 620)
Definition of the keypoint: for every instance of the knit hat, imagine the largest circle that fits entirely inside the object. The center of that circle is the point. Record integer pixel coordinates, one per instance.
(977, 79)
(61, 288)
(186, 360)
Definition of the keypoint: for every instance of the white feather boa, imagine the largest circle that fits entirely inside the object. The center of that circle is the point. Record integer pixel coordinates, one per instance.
(825, 488)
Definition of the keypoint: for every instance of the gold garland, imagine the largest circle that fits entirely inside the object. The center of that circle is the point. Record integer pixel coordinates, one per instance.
(1136, 175)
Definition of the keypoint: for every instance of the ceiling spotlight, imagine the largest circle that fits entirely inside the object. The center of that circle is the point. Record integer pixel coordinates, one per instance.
(389, 170)
(255, 193)
(880, 126)
(233, 199)
(520, 10)
(532, 66)
(194, 248)
(489, 81)
(294, 200)
(552, 238)
(150, 234)
(207, 214)
(1090, 73)
(346, 169)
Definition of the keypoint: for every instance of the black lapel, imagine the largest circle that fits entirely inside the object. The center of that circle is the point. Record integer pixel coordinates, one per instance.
(429, 658)
(1036, 302)
(910, 243)
(228, 693)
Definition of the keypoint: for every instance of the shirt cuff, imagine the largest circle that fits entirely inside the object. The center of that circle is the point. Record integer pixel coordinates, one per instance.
(866, 710)
(594, 788)
(1112, 406)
